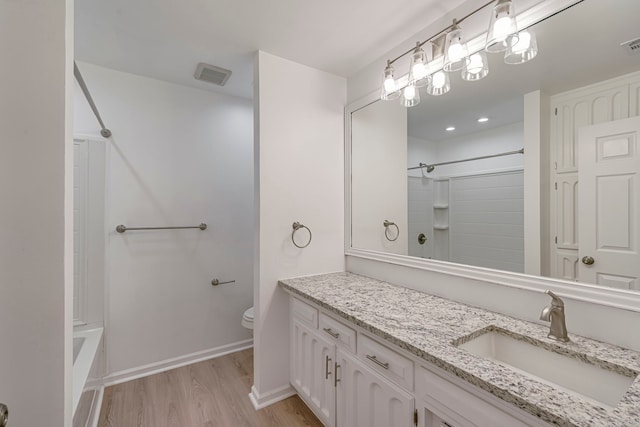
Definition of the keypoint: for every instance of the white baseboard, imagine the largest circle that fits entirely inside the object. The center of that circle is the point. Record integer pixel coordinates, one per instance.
(266, 399)
(176, 362)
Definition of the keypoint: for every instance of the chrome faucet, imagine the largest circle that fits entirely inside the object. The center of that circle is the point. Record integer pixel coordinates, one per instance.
(554, 313)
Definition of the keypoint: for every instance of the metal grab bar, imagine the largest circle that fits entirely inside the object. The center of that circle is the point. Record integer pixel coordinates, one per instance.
(122, 228)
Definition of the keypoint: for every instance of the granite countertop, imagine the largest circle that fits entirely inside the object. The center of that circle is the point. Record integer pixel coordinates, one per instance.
(430, 327)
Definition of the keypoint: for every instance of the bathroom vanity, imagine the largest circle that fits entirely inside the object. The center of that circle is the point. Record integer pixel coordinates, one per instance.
(369, 353)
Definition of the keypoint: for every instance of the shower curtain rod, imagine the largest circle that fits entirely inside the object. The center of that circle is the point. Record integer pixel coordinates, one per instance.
(106, 133)
(431, 166)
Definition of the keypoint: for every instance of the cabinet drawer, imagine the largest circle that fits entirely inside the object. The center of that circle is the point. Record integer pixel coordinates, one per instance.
(340, 333)
(304, 313)
(387, 362)
(458, 407)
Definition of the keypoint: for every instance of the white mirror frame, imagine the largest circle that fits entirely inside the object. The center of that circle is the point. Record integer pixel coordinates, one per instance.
(617, 298)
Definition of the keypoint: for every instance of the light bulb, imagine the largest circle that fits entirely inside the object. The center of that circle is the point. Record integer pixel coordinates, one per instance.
(409, 92)
(419, 71)
(523, 43)
(475, 63)
(456, 52)
(389, 84)
(439, 80)
(501, 28)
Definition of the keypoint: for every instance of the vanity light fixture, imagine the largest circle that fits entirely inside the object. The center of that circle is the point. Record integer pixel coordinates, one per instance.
(449, 47)
(410, 96)
(483, 119)
(524, 50)
(503, 30)
(439, 83)
(477, 68)
(456, 56)
(390, 89)
(450, 129)
(418, 74)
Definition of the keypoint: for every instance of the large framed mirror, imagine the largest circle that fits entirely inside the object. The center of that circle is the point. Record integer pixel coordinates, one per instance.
(449, 185)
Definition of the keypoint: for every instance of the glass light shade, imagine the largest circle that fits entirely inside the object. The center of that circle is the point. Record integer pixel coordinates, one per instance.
(525, 49)
(418, 74)
(389, 85)
(455, 51)
(438, 83)
(477, 68)
(410, 96)
(503, 30)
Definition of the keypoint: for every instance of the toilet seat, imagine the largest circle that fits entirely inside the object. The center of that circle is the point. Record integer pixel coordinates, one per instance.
(247, 318)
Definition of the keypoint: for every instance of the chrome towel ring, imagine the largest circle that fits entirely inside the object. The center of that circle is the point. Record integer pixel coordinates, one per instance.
(388, 224)
(297, 226)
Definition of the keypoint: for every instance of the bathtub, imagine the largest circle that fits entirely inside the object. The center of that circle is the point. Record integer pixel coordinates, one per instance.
(86, 351)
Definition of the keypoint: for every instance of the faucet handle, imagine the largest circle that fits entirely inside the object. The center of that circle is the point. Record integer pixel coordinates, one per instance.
(556, 300)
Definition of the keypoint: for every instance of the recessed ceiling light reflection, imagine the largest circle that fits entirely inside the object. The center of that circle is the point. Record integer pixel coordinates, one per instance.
(450, 128)
(483, 119)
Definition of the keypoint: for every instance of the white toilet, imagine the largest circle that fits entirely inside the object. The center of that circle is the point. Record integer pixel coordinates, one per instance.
(247, 319)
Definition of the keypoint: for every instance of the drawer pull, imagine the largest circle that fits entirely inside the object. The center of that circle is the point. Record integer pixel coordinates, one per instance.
(327, 359)
(375, 360)
(330, 332)
(445, 424)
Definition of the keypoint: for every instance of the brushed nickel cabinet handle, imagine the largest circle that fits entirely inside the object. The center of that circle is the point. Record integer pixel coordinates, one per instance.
(375, 360)
(335, 375)
(330, 332)
(327, 359)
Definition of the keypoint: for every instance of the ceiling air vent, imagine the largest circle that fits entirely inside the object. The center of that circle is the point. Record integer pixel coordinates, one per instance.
(632, 46)
(212, 74)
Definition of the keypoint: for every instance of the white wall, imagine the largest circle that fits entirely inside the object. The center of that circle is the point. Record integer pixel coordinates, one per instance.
(536, 180)
(378, 178)
(178, 156)
(36, 240)
(299, 177)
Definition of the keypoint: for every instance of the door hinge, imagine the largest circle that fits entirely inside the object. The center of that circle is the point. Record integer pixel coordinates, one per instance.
(556, 111)
(556, 239)
(556, 185)
(415, 418)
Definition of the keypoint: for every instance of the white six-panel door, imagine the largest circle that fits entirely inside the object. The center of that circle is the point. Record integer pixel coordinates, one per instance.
(609, 204)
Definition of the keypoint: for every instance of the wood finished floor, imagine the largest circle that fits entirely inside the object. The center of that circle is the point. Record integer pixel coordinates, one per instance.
(213, 393)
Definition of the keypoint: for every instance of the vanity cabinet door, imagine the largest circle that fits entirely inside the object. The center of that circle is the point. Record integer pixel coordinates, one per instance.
(365, 399)
(311, 371)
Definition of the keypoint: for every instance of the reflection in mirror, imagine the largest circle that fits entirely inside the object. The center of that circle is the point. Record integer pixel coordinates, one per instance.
(438, 172)
(471, 205)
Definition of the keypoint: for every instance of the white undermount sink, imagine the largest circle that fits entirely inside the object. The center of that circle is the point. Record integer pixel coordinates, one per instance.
(600, 385)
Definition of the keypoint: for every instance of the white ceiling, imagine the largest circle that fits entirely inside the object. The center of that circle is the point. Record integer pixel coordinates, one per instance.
(577, 47)
(166, 39)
